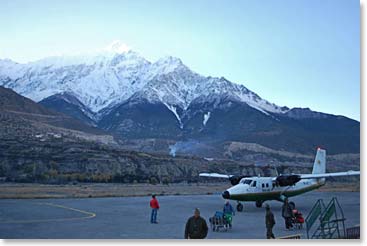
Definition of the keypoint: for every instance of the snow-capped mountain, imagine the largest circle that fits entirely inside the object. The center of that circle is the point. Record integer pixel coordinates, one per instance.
(112, 76)
(118, 90)
(98, 80)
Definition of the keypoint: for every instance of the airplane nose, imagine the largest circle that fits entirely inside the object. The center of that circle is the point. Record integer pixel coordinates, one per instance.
(226, 195)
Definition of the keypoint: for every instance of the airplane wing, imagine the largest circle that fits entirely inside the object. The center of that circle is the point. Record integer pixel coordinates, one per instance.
(327, 175)
(215, 175)
(291, 179)
(234, 179)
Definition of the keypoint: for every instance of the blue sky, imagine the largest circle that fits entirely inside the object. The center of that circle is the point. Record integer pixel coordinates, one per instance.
(297, 53)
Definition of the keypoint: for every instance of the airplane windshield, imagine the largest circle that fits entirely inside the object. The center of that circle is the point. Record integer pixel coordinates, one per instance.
(247, 181)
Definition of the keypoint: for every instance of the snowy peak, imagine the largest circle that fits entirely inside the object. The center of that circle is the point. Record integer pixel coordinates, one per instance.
(117, 47)
(169, 61)
(99, 59)
(107, 78)
(166, 65)
(7, 62)
(9, 69)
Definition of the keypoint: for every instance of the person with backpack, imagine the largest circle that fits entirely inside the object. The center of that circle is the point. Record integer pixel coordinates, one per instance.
(228, 212)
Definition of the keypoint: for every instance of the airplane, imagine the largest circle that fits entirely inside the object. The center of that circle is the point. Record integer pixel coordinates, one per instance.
(261, 189)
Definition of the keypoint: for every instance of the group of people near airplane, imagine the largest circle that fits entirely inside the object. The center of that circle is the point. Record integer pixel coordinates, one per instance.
(197, 228)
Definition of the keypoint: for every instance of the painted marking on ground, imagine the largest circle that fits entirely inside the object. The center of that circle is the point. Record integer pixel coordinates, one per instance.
(89, 215)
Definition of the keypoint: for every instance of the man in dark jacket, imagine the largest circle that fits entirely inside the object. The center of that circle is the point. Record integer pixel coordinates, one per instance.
(196, 227)
(269, 222)
(287, 214)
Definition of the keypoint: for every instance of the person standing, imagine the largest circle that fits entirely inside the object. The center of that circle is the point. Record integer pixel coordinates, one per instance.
(228, 212)
(155, 206)
(196, 227)
(287, 214)
(269, 222)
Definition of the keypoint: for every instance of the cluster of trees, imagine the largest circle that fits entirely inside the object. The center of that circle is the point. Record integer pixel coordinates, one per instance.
(32, 173)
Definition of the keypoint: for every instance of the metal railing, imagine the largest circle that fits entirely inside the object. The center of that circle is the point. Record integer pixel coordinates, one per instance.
(314, 214)
(331, 220)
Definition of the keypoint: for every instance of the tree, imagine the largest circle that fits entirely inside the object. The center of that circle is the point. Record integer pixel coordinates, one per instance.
(153, 181)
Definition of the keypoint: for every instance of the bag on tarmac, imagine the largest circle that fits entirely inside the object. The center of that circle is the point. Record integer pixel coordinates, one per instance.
(218, 214)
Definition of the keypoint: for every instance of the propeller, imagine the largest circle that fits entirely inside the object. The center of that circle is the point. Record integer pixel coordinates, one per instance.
(235, 179)
(287, 180)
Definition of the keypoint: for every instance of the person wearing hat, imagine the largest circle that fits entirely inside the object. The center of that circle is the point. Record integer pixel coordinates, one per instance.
(228, 212)
(196, 227)
(269, 222)
(155, 206)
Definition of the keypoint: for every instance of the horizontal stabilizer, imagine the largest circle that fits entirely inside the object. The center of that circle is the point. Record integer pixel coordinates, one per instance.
(327, 175)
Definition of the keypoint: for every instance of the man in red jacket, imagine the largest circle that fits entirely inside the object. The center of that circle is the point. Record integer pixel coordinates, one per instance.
(155, 206)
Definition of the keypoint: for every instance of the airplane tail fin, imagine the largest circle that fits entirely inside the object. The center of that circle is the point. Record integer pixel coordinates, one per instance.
(319, 166)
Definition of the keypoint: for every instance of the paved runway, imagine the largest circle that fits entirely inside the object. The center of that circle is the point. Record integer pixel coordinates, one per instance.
(128, 218)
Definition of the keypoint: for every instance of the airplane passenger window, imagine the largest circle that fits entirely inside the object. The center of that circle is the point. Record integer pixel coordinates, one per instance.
(267, 185)
(262, 185)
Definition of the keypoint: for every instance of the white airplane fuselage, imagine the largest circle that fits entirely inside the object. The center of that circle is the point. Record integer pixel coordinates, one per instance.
(263, 189)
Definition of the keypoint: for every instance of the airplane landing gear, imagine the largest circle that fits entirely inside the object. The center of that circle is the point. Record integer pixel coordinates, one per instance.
(239, 207)
(259, 204)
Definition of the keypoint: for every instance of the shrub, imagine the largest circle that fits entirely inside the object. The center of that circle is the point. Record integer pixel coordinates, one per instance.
(153, 180)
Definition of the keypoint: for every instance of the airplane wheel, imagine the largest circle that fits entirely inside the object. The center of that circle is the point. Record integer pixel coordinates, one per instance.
(259, 204)
(292, 205)
(239, 207)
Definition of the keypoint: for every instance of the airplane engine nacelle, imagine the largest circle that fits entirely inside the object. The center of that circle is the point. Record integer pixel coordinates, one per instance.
(287, 180)
(236, 179)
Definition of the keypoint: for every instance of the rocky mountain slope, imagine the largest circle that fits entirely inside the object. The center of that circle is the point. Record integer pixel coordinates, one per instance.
(17, 109)
(37, 146)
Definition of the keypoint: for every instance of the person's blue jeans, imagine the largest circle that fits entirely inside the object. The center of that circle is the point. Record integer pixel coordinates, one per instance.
(153, 217)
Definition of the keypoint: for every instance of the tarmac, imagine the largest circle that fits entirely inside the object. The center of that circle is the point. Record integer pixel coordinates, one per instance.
(129, 217)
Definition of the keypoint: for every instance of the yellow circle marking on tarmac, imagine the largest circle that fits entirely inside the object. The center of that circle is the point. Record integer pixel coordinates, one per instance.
(89, 215)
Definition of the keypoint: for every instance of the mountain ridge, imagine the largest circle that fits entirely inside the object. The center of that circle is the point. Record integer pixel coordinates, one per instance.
(125, 94)
(119, 76)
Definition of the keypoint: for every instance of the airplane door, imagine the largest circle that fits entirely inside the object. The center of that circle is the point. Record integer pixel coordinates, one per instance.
(254, 185)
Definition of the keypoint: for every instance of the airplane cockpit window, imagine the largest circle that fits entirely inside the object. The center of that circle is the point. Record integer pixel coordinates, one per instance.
(246, 181)
(253, 184)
